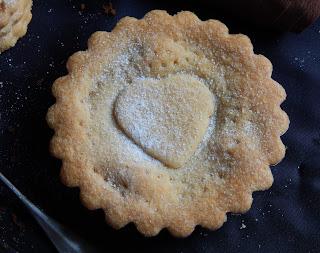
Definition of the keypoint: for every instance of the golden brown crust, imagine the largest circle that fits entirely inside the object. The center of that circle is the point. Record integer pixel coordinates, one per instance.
(244, 142)
(15, 15)
(7, 9)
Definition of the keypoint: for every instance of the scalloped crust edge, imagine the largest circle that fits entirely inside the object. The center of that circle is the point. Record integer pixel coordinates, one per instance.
(18, 30)
(72, 179)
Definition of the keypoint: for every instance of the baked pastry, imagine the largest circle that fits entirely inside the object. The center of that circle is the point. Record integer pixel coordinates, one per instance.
(168, 122)
(15, 16)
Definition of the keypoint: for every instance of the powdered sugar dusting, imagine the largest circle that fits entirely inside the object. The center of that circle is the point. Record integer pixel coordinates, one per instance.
(166, 117)
(125, 68)
(9, 2)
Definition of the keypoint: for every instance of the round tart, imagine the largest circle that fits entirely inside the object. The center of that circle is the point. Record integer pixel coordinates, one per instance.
(15, 15)
(168, 122)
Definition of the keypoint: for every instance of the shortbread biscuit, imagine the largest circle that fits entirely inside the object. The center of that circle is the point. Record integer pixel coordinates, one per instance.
(7, 10)
(168, 122)
(11, 12)
(15, 16)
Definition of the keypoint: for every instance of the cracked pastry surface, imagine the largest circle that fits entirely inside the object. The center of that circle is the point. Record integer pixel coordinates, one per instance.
(168, 122)
(15, 15)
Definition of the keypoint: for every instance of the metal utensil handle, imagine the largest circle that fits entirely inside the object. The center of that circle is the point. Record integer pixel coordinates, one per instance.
(63, 239)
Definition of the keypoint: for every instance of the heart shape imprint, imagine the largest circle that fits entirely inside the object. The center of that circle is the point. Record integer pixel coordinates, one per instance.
(166, 117)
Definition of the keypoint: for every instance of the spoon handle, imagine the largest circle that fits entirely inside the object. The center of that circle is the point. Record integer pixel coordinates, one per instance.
(64, 240)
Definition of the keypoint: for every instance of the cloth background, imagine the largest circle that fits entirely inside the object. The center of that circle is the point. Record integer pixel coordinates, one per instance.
(282, 15)
(285, 218)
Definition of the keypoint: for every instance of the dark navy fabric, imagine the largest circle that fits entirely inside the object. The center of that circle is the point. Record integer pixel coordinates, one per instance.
(285, 218)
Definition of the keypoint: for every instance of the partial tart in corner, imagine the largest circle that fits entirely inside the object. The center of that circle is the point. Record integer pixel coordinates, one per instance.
(15, 15)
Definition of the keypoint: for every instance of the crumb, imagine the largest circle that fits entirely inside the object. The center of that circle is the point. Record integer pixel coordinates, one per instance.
(203, 234)
(14, 218)
(40, 81)
(15, 221)
(108, 9)
(82, 7)
(243, 226)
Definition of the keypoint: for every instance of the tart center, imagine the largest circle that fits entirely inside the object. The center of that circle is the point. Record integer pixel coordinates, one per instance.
(166, 117)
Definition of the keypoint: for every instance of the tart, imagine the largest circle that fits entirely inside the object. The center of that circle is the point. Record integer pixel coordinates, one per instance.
(168, 122)
(15, 15)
